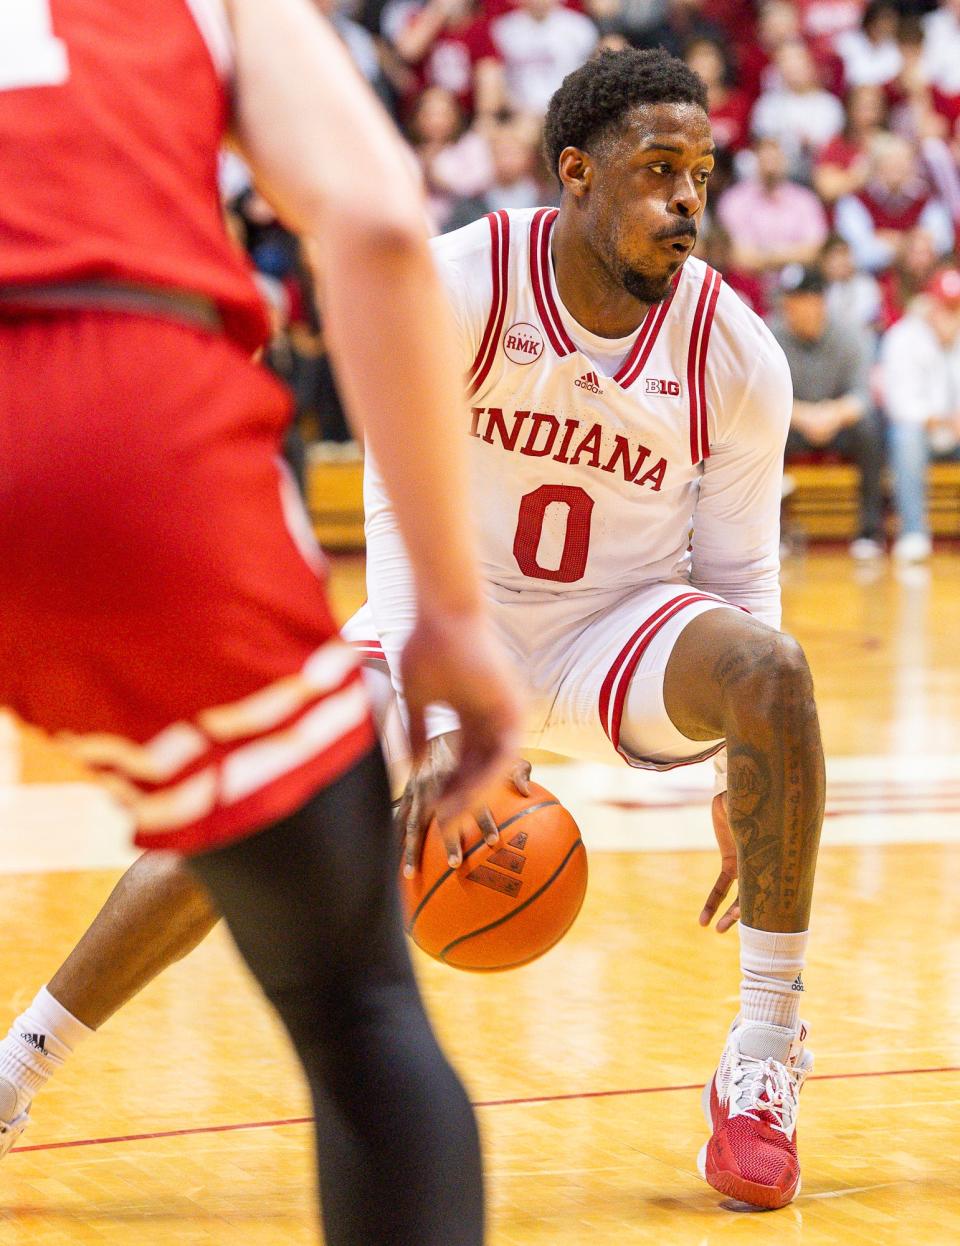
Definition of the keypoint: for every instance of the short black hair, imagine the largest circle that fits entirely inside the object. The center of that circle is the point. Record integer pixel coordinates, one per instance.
(595, 99)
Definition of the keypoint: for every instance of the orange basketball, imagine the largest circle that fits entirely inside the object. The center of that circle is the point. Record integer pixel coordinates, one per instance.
(506, 905)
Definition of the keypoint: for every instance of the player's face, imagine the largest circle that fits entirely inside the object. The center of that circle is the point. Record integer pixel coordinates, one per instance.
(647, 196)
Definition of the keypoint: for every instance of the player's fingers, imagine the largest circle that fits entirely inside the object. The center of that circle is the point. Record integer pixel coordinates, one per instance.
(716, 897)
(521, 777)
(450, 833)
(730, 917)
(401, 811)
(415, 826)
(488, 826)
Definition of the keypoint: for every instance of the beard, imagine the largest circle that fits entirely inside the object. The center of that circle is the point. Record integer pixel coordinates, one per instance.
(644, 287)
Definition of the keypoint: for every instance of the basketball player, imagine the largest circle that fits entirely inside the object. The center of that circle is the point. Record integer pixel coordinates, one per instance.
(163, 612)
(622, 397)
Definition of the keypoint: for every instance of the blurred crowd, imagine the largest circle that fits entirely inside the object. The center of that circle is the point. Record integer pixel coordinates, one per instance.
(834, 207)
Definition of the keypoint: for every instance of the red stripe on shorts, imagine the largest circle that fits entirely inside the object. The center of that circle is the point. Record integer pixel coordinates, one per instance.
(613, 691)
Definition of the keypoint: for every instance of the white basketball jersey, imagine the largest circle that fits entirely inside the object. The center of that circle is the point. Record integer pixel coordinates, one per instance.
(592, 461)
(586, 469)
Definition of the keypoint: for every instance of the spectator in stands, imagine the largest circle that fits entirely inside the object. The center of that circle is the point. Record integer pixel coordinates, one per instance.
(632, 20)
(683, 23)
(941, 48)
(822, 22)
(455, 161)
(772, 221)
(830, 366)
(920, 357)
(540, 42)
(895, 199)
(448, 44)
(908, 276)
(843, 166)
(729, 107)
(871, 55)
(778, 23)
(362, 47)
(799, 113)
(852, 297)
(513, 183)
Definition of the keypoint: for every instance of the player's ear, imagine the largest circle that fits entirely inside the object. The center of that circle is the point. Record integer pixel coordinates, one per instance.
(575, 169)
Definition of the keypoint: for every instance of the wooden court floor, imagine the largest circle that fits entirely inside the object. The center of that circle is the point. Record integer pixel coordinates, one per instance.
(182, 1121)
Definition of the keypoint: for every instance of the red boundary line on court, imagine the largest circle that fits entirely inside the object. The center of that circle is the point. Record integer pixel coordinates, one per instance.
(483, 1103)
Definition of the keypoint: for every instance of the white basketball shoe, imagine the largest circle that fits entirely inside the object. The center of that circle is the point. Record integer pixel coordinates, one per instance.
(14, 1115)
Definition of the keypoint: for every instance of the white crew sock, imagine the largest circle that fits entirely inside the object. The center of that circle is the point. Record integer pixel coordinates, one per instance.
(39, 1042)
(772, 986)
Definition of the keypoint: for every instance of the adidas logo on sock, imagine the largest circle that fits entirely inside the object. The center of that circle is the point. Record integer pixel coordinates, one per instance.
(797, 983)
(590, 381)
(37, 1041)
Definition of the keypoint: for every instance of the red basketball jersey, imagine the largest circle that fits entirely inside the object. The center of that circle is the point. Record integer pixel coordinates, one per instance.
(112, 113)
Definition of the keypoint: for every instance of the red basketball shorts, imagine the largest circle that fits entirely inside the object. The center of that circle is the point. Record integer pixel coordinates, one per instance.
(162, 606)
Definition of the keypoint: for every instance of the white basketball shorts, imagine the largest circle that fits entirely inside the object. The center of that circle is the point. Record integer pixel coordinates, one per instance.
(594, 670)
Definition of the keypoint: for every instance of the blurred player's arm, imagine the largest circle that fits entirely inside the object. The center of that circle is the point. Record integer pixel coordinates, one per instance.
(324, 151)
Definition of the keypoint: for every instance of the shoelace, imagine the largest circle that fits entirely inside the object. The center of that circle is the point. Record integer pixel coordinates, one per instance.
(769, 1087)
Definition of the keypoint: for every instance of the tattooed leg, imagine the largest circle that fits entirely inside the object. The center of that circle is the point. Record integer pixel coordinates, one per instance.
(731, 676)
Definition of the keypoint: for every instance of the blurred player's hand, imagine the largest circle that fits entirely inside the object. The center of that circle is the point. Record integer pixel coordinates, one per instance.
(728, 870)
(419, 803)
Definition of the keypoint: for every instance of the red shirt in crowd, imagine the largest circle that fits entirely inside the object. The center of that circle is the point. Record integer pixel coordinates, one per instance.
(452, 60)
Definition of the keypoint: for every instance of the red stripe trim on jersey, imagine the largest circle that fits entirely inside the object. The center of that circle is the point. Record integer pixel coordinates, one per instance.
(613, 691)
(499, 263)
(546, 275)
(540, 229)
(693, 358)
(646, 326)
(641, 351)
(646, 337)
(702, 366)
(494, 224)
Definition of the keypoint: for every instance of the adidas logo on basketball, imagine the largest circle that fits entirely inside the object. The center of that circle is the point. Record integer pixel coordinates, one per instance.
(589, 381)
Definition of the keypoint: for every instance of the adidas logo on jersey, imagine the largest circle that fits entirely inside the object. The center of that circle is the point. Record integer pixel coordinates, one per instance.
(659, 385)
(590, 381)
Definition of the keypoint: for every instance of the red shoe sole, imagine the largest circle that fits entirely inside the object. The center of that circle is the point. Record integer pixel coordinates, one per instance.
(769, 1197)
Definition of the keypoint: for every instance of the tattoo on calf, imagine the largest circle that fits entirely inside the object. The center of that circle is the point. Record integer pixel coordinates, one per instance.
(774, 796)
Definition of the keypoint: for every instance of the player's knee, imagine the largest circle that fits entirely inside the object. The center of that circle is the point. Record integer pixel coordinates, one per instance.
(776, 687)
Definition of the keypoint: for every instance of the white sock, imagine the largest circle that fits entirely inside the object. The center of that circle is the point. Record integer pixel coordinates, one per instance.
(772, 984)
(39, 1042)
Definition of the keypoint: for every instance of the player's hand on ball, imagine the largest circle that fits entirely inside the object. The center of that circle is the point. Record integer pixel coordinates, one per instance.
(419, 803)
(728, 870)
(456, 659)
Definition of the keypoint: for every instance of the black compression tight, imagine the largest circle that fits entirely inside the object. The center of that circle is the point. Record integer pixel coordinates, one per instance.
(312, 905)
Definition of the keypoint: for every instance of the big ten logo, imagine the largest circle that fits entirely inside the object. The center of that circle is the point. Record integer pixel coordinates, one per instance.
(523, 343)
(509, 859)
(658, 385)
